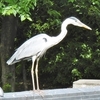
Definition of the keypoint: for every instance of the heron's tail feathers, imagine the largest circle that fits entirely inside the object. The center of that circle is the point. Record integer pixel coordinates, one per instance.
(12, 60)
(8, 62)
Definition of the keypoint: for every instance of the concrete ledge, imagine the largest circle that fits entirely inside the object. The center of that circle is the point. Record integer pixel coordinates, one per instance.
(91, 93)
(86, 83)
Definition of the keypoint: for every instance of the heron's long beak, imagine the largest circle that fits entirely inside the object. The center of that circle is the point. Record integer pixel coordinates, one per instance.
(85, 26)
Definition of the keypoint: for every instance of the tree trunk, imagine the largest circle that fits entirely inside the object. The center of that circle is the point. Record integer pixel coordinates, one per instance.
(8, 33)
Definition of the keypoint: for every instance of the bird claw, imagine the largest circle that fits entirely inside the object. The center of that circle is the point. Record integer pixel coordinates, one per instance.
(40, 92)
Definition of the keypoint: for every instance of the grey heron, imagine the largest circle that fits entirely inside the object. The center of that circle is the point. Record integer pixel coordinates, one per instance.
(35, 47)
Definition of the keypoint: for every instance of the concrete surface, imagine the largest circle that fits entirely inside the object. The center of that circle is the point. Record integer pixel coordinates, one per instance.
(91, 93)
(86, 83)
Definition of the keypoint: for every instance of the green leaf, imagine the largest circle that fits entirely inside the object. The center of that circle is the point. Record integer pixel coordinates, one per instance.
(25, 16)
(34, 1)
(71, 1)
(54, 13)
(22, 17)
(29, 18)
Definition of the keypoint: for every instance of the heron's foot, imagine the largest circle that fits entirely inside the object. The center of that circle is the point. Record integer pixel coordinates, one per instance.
(40, 92)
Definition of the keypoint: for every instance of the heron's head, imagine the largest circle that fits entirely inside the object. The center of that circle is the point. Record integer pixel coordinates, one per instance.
(77, 22)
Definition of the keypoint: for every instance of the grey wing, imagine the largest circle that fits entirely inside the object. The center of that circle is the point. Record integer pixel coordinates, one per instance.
(31, 47)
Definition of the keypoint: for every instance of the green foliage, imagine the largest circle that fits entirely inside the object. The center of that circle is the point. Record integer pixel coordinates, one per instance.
(7, 87)
(54, 13)
(76, 74)
(20, 8)
(86, 52)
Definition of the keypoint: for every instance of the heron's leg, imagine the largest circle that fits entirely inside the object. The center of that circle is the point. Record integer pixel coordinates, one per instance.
(36, 72)
(37, 79)
(32, 72)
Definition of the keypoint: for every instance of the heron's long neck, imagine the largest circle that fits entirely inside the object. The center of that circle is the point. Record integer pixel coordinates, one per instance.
(63, 33)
